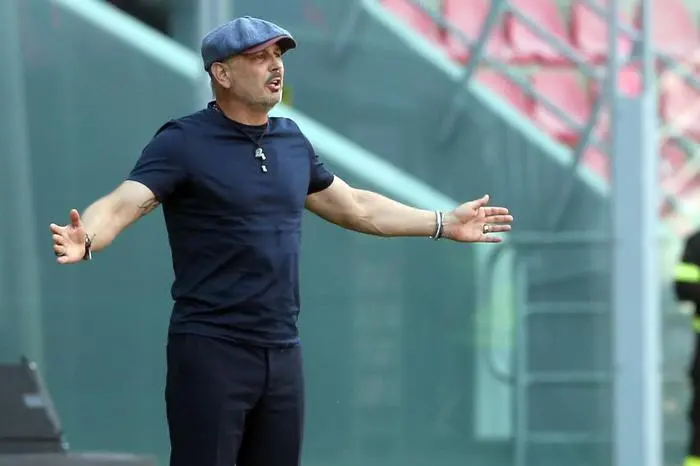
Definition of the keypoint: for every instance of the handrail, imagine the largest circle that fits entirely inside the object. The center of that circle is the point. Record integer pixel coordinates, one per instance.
(569, 52)
(150, 42)
(633, 34)
(585, 130)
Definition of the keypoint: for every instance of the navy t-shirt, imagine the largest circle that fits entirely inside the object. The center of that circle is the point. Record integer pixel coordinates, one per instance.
(234, 229)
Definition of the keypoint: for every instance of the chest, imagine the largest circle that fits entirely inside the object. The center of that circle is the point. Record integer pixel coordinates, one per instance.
(244, 177)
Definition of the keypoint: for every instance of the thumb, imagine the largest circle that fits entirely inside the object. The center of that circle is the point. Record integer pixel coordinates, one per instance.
(75, 218)
(481, 202)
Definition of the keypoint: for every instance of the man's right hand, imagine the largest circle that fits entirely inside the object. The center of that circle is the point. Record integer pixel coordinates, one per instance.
(69, 240)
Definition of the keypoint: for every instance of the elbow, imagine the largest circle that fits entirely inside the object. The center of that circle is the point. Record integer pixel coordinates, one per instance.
(362, 223)
(363, 217)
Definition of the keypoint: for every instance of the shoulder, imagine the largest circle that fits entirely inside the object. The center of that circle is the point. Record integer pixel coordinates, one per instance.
(286, 126)
(168, 143)
(177, 131)
(187, 125)
(170, 135)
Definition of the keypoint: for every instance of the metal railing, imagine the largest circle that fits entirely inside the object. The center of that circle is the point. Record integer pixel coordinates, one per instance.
(586, 138)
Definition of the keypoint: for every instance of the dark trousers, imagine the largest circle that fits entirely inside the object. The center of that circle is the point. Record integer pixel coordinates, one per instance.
(694, 413)
(230, 404)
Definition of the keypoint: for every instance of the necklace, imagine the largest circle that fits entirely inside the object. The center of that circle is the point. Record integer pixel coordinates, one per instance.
(259, 152)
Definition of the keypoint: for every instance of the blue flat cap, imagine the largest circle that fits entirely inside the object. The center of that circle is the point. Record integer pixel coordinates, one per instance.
(241, 35)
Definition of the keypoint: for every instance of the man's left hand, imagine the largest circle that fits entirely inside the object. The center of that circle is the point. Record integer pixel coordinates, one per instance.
(474, 222)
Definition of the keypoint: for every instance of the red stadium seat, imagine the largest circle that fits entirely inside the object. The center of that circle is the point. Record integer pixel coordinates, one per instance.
(589, 33)
(526, 44)
(504, 87)
(680, 108)
(690, 187)
(673, 179)
(415, 17)
(563, 90)
(674, 31)
(673, 159)
(469, 17)
(598, 162)
(629, 83)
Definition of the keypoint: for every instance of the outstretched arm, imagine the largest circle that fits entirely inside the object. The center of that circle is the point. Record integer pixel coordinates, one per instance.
(102, 221)
(368, 212)
(371, 213)
(107, 217)
(156, 175)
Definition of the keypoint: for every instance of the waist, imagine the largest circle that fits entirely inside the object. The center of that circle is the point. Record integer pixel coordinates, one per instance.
(258, 337)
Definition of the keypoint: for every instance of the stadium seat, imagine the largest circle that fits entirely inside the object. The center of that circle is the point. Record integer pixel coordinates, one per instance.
(673, 159)
(563, 89)
(527, 46)
(673, 179)
(469, 17)
(504, 87)
(690, 186)
(415, 17)
(680, 108)
(674, 31)
(598, 162)
(589, 33)
(629, 82)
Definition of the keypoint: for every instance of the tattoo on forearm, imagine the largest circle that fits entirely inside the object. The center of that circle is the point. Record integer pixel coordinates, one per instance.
(148, 206)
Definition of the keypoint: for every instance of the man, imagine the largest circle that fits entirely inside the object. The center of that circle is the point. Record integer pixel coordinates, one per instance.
(233, 183)
(687, 285)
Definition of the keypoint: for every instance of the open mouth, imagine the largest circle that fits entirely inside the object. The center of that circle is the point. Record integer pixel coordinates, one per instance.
(275, 85)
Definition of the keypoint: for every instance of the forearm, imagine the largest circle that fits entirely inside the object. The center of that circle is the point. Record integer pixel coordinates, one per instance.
(380, 216)
(106, 218)
(102, 222)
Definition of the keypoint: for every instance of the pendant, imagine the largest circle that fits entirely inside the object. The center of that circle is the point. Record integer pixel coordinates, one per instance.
(259, 154)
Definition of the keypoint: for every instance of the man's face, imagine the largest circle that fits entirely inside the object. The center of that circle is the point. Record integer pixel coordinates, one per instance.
(253, 78)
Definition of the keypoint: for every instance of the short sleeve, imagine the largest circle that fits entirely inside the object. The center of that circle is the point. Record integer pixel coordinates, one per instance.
(161, 166)
(321, 178)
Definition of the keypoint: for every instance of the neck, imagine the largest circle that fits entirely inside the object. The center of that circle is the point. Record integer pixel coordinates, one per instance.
(241, 113)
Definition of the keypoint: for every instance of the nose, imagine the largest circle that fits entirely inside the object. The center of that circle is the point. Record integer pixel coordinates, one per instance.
(276, 64)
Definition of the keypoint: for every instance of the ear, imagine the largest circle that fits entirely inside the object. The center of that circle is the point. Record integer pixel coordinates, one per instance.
(220, 73)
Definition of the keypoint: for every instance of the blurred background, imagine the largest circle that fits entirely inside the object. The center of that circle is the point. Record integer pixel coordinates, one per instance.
(417, 353)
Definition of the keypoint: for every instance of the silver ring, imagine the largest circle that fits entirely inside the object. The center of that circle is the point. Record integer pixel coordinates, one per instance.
(485, 228)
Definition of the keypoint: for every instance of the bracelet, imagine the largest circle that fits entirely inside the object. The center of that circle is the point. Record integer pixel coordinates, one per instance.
(439, 225)
(88, 248)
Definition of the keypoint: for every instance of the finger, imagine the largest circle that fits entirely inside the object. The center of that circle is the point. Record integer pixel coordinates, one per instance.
(490, 239)
(58, 239)
(65, 260)
(476, 204)
(56, 229)
(74, 218)
(499, 219)
(59, 249)
(489, 211)
(499, 228)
